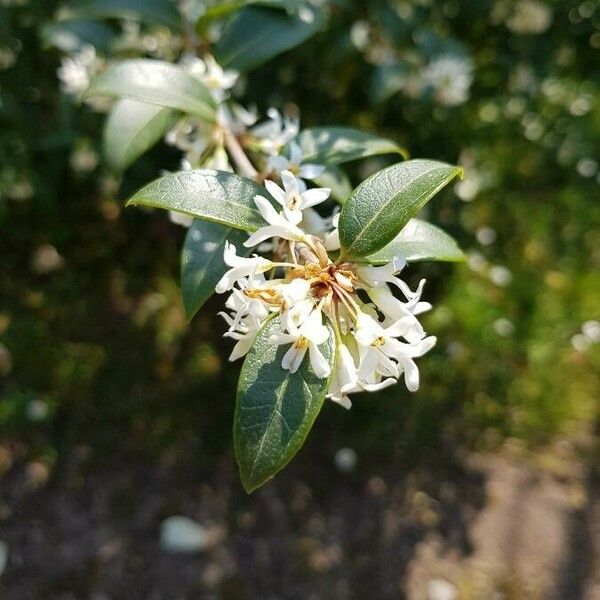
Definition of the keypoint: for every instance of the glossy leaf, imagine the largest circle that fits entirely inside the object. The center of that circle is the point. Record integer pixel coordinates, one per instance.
(132, 128)
(383, 204)
(223, 9)
(154, 82)
(257, 34)
(215, 196)
(161, 12)
(336, 145)
(419, 240)
(202, 262)
(275, 409)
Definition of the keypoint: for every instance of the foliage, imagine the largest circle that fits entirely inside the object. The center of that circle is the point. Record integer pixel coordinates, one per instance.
(90, 319)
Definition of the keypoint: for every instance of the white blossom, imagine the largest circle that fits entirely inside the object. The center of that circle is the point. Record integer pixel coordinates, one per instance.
(240, 267)
(76, 71)
(292, 197)
(307, 336)
(450, 77)
(381, 352)
(276, 132)
(278, 225)
(281, 163)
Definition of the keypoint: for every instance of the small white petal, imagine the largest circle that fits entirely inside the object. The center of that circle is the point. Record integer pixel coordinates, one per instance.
(275, 191)
(315, 196)
(318, 362)
(269, 214)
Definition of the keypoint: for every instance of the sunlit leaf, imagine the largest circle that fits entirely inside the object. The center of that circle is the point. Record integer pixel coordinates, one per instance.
(383, 204)
(154, 82)
(216, 196)
(336, 145)
(418, 241)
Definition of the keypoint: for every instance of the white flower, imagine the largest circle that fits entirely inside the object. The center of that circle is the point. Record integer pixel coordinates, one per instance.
(235, 117)
(76, 71)
(331, 241)
(378, 276)
(278, 225)
(216, 78)
(244, 334)
(450, 77)
(211, 74)
(293, 198)
(281, 163)
(345, 379)
(379, 349)
(241, 267)
(294, 292)
(530, 17)
(242, 307)
(307, 336)
(275, 133)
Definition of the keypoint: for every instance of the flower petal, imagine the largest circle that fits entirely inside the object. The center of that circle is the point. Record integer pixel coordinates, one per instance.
(318, 362)
(275, 191)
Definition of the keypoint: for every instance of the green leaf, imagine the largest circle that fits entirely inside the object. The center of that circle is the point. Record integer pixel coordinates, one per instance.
(333, 177)
(419, 240)
(216, 196)
(202, 262)
(132, 128)
(275, 409)
(383, 204)
(336, 145)
(160, 12)
(72, 36)
(257, 34)
(223, 9)
(154, 82)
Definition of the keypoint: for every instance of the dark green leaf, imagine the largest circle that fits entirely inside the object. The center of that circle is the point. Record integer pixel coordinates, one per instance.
(275, 409)
(202, 262)
(223, 9)
(256, 34)
(161, 12)
(419, 240)
(132, 128)
(154, 82)
(215, 196)
(382, 205)
(336, 145)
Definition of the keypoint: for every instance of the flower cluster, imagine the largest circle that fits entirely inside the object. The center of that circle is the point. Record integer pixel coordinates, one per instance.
(378, 334)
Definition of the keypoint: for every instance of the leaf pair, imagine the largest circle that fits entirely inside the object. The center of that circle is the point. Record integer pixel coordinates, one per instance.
(152, 95)
(380, 207)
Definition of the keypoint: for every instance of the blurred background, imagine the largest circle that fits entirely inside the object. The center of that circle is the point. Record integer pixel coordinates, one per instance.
(117, 478)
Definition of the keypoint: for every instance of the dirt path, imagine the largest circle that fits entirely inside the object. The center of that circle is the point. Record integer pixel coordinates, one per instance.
(488, 527)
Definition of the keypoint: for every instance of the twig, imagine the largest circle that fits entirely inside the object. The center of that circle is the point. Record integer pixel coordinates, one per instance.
(239, 156)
